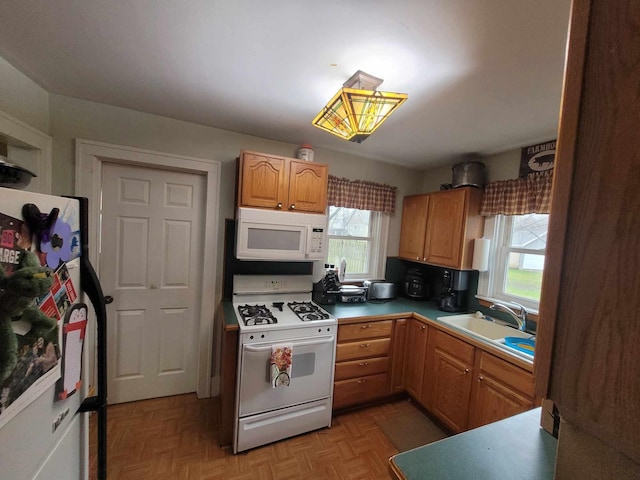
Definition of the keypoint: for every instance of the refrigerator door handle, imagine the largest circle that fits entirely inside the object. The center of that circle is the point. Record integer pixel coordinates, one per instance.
(91, 285)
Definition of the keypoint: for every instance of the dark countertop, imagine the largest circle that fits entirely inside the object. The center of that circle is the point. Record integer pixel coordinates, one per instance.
(512, 448)
(397, 306)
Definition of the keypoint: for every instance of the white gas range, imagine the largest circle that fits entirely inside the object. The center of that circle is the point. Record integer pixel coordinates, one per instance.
(275, 314)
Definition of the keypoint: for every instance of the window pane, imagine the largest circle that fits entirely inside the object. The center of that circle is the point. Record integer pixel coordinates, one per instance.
(524, 275)
(356, 253)
(529, 231)
(349, 222)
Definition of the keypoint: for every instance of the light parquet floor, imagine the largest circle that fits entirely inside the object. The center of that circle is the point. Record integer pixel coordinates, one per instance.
(177, 438)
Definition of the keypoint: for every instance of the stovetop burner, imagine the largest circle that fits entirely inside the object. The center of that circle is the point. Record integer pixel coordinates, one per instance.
(256, 315)
(307, 311)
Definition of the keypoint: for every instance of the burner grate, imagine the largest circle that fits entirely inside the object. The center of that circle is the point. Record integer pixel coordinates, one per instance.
(308, 311)
(256, 315)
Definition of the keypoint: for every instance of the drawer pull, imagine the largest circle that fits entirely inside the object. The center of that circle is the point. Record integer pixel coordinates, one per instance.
(365, 326)
(363, 364)
(365, 345)
(361, 381)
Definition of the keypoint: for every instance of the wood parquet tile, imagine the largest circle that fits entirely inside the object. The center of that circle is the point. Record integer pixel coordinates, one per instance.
(176, 438)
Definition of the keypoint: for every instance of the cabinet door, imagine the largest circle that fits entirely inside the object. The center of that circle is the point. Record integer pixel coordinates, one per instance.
(307, 187)
(398, 358)
(448, 380)
(494, 400)
(500, 391)
(445, 219)
(415, 357)
(263, 181)
(414, 224)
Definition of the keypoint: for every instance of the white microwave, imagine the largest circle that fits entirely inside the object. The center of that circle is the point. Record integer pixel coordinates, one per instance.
(276, 235)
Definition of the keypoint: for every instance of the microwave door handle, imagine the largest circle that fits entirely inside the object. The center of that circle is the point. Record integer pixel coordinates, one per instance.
(322, 341)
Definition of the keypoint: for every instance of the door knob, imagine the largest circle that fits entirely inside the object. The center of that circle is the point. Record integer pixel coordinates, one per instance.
(108, 299)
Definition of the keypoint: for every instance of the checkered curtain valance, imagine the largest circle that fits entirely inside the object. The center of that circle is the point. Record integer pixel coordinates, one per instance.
(531, 194)
(361, 195)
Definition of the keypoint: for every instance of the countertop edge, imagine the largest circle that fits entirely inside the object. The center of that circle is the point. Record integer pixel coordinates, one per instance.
(425, 312)
(485, 448)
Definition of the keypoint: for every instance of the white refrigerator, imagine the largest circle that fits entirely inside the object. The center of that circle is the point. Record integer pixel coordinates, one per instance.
(44, 367)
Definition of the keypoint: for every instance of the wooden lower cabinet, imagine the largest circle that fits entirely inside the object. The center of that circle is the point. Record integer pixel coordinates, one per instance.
(398, 360)
(362, 363)
(461, 385)
(229, 359)
(500, 391)
(448, 379)
(355, 391)
(417, 336)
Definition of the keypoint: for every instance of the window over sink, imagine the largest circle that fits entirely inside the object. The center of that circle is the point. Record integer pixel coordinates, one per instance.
(516, 262)
(360, 237)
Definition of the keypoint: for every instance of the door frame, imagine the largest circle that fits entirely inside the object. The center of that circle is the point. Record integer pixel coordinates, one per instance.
(89, 158)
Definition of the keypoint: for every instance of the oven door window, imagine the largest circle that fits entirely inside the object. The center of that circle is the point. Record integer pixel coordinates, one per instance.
(311, 375)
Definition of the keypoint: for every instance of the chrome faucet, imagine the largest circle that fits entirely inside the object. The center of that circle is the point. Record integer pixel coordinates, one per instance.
(520, 318)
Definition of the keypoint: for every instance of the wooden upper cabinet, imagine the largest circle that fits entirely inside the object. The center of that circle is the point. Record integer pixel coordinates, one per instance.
(262, 180)
(412, 230)
(445, 219)
(307, 186)
(281, 183)
(439, 228)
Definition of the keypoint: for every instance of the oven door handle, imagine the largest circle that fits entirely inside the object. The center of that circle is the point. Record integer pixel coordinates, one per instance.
(321, 341)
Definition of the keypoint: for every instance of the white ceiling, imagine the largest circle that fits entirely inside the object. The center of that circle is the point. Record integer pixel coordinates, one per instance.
(482, 75)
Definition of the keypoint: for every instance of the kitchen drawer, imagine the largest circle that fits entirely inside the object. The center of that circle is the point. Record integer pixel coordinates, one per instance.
(361, 390)
(362, 349)
(457, 348)
(349, 333)
(513, 376)
(361, 368)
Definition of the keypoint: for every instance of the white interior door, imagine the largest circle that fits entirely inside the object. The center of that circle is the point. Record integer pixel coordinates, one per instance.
(151, 246)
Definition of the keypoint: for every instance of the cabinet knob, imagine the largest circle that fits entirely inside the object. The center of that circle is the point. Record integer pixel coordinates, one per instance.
(480, 378)
(466, 370)
(418, 258)
(292, 206)
(424, 259)
(423, 327)
(279, 206)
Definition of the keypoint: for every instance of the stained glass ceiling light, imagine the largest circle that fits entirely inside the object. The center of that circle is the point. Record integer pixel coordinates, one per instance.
(358, 108)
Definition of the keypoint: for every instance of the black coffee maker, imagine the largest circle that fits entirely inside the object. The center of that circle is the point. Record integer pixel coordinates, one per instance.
(454, 291)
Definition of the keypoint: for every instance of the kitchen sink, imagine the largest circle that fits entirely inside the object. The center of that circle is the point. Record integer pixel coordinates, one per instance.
(485, 329)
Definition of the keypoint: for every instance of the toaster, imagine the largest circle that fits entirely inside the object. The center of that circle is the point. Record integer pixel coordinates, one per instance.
(380, 290)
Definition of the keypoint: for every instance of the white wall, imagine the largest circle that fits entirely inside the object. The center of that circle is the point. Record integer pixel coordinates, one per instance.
(72, 118)
(500, 166)
(22, 98)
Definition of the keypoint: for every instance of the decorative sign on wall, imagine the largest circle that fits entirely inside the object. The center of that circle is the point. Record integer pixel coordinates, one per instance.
(537, 158)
